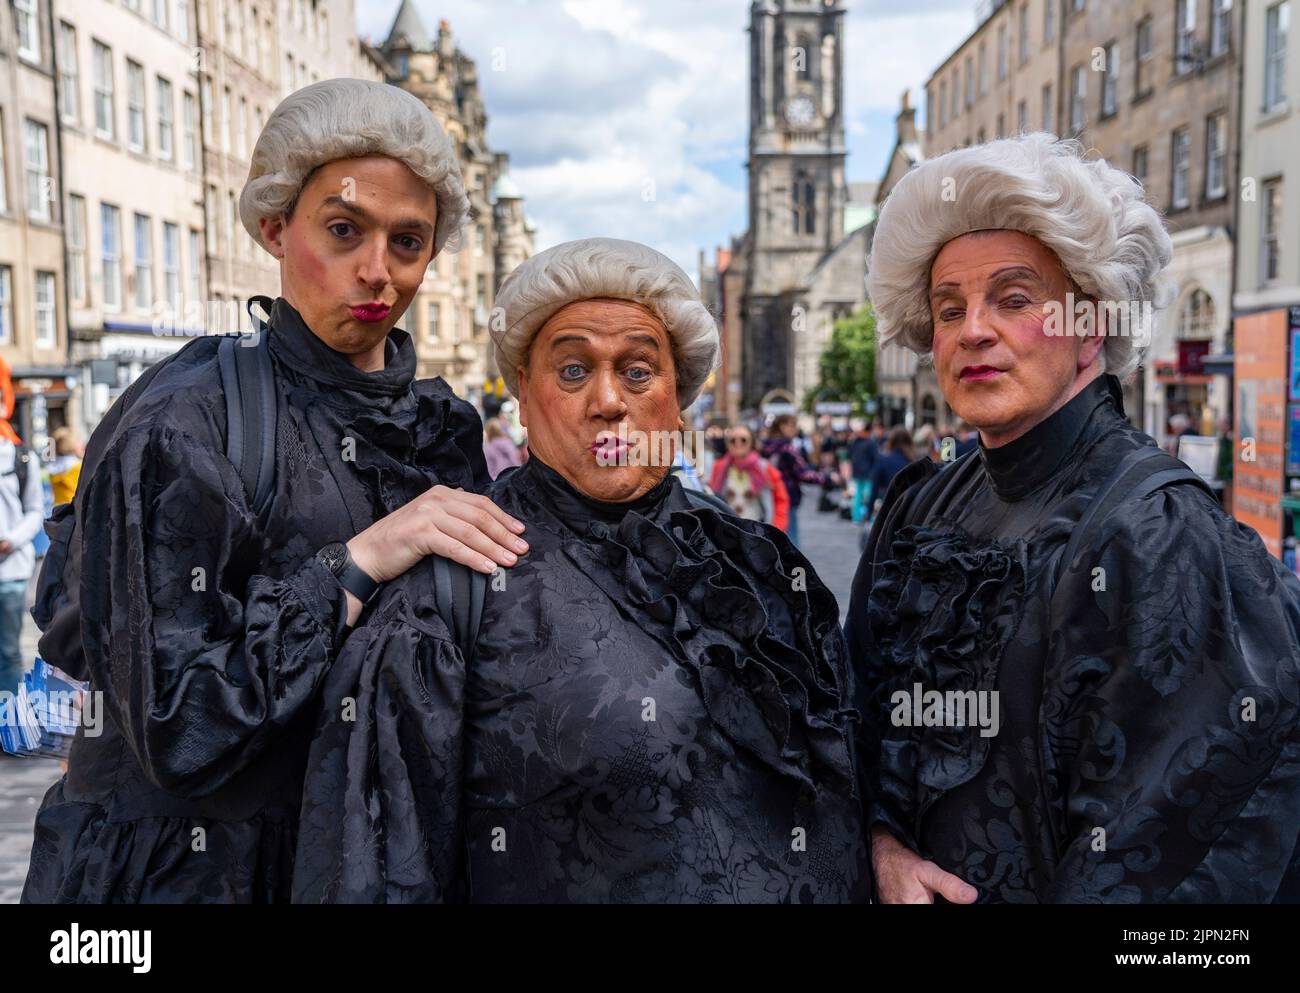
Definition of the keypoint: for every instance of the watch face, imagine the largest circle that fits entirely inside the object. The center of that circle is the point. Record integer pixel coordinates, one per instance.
(799, 110)
(333, 556)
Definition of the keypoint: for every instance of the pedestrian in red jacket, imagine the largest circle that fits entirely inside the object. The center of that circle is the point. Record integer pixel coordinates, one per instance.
(750, 484)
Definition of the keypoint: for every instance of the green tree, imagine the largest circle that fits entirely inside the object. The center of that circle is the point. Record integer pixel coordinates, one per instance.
(848, 365)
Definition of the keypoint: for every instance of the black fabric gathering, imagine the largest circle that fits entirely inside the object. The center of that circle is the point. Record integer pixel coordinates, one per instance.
(1148, 746)
(209, 632)
(658, 710)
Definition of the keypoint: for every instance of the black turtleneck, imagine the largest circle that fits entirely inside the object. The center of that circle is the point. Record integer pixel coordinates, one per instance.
(1019, 466)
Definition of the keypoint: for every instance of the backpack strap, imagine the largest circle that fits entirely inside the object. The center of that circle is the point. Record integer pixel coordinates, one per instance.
(248, 384)
(459, 591)
(1138, 474)
(22, 458)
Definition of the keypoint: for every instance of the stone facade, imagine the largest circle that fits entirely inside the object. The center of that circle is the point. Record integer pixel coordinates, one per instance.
(449, 318)
(796, 247)
(1268, 218)
(899, 377)
(33, 320)
(1171, 119)
(133, 165)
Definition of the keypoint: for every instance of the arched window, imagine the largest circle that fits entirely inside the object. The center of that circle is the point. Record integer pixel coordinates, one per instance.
(1196, 319)
(804, 201)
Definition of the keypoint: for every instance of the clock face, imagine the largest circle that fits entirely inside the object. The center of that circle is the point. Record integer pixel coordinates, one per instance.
(799, 110)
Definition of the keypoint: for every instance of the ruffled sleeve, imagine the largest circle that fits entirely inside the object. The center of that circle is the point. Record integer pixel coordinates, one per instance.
(381, 812)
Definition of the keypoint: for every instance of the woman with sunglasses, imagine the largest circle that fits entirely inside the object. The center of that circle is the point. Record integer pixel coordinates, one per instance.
(751, 485)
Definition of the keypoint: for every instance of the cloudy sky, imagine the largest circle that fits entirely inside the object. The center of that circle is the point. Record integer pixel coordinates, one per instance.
(629, 118)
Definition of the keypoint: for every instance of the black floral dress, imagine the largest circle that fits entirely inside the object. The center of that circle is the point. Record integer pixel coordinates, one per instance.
(1147, 743)
(658, 709)
(209, 632)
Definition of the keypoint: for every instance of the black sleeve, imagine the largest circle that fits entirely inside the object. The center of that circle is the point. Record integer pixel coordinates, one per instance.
(1174, 703)
(201, 665)
(381, 814)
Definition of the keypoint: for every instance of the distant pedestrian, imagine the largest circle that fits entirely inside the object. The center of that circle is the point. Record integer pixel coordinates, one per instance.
(22, 507)
(863, 453)
(751, 486)
(65, 467)
(895, 459)
(925, 442)
(780, 450)
(499, 450)
(968, 439)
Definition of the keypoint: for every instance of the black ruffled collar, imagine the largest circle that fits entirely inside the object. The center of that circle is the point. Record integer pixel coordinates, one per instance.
(297, 346)
(1020, 466)
(578, 511)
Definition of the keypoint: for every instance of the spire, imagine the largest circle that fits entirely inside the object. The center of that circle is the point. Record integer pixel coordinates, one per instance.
(408, 27)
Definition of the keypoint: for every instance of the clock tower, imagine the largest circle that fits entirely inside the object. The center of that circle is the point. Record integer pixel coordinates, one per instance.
(797, 186)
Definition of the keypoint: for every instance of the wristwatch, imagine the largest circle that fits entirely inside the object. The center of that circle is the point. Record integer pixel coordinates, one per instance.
(337, 559)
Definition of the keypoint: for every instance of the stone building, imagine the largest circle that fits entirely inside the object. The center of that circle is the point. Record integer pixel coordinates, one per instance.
(1151, 87)
(128, 90)
(33, 300)
(722, 286)
(159, 105)
(1268, 210)
(904, 387)
(801, 268)
(449, 318)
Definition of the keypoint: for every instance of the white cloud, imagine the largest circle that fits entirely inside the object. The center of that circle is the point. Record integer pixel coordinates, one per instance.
(595, 100)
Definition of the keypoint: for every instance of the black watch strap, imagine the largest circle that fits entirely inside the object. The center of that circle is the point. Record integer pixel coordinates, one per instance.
(336, 557)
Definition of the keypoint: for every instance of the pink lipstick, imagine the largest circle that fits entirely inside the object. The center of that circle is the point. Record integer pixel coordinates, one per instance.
(370, 312)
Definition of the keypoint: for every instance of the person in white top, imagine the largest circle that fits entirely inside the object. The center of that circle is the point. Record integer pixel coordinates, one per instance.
(22, 507)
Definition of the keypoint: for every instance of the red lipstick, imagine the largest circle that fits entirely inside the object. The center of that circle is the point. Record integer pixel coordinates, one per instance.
(370, 312)
(979, 373)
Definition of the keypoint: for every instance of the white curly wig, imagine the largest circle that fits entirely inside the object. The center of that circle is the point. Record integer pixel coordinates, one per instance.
(1109, 240)
(605, 267)
(343, 119)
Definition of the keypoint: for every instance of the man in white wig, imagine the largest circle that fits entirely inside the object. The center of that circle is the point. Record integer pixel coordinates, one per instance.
(658, 696)
(208, 615)
(1082, 675)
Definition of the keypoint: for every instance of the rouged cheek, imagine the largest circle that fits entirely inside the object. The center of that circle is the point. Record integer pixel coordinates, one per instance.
(309, 263)
(655, 410)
